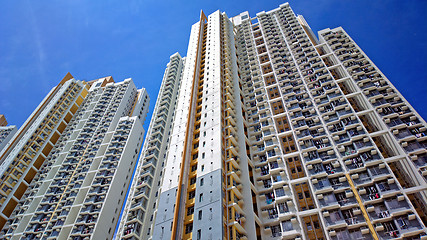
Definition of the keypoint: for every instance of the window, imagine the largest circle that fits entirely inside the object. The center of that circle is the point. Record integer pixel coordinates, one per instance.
(194, 167)
(309, 227)
(283, 207)
(287, 226)
(201, 197)
(288, 144)
(277, 107)
(201, 182)
(262, 50)
(199, 234)
(316, 224)
(200, 215)
(269, 80)
(266, 69)
(188, 228)
(263, 58)
(190, 211)
(191, 195)
(280, 192)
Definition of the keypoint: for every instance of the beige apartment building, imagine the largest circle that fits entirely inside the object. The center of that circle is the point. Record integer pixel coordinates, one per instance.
(66, 173)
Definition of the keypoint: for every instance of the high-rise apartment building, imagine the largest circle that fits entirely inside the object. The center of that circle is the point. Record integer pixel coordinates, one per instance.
(67, 173)
(6, 132)
(27, 150)
(278, 134)
(139, 213)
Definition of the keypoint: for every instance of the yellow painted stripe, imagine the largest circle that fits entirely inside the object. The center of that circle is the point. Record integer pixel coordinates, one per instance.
(184, 155)
(135, 100)
(69, 181)
(362, 207)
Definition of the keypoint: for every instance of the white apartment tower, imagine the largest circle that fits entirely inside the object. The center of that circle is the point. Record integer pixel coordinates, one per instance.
(202, 186)
(280, 135)
(139, 213)
(79, 188)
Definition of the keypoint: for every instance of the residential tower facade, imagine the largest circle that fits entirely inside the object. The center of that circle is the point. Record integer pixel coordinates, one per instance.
(279, 134)
(79, 188)
(27, 150)
(139, 213)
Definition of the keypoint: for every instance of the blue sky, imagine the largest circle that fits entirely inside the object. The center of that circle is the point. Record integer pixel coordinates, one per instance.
(43, 40)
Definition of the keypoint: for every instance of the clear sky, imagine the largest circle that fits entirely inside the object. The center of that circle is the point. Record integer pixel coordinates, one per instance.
(43, 40)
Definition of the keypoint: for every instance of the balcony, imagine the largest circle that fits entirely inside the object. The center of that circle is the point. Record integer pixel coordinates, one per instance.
(369, 193)
(339, 183)
(342, 218)
(361, 177)
(321, 143)
(315, 169)
(378, 171)
(311, 156)
(394, 122)
(345, 198)
(362, 233)
(87, 219)
(420, 160)
(412, 146)
(347, 150)
(408, 224)
(139, 203)
(82, 230)
(355, 219)
(327, 200)
(354, 163)
(418, 132)
(334, 219)
(344, 112)
(402, 133)
(378, 211)
(136, 215)
(303, 133)
(399, 227)
(269, 198)
(306, 144)
(397, 205)
(330, 118)
(272, 213)
(322, 185)
(341, 138)
(132, 228)
(143, 191)
(91, 208)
